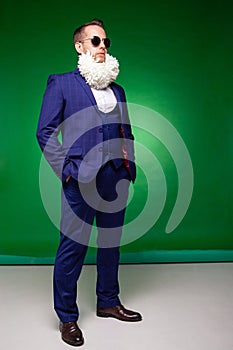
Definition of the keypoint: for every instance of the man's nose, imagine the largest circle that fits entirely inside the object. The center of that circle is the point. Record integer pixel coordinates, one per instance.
(102, 45)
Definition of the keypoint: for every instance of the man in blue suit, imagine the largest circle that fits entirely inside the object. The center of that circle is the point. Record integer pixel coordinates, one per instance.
(95, 162)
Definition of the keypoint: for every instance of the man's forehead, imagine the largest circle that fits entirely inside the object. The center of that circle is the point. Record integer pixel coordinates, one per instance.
(94, 30)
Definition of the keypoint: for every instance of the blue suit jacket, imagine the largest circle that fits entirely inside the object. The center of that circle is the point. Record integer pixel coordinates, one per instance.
(69, 107)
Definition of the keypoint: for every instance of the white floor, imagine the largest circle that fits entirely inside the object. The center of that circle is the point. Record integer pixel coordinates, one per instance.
(184, 307)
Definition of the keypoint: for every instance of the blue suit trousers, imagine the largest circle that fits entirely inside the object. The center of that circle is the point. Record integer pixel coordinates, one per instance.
(76, 221)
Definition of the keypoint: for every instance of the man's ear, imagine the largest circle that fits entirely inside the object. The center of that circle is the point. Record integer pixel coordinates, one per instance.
(78, 47)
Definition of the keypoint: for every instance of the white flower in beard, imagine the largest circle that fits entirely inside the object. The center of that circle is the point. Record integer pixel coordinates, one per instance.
(98, 74)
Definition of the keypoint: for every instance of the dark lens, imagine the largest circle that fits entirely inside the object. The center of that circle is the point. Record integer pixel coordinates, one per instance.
(107, 43)
(95, 41)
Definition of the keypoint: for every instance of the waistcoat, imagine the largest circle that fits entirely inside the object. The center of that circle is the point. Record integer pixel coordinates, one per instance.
(112, 146)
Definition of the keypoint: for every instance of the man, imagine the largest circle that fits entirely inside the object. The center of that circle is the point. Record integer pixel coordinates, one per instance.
(95, 156)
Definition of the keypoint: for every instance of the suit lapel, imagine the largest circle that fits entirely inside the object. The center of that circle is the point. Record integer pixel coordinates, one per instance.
(118, 97)
(85, 86)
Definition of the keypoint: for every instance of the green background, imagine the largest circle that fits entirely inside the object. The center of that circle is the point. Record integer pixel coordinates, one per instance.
(176, 58)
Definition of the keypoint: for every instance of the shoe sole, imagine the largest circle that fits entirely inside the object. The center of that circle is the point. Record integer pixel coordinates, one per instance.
(100, 314)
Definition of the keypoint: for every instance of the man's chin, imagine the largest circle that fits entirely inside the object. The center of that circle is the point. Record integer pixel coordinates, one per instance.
(100, 59)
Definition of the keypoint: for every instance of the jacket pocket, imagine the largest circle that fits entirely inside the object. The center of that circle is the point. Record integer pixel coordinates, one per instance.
(75, 152)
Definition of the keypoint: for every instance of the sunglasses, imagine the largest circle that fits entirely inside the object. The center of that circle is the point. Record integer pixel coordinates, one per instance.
(96, 41)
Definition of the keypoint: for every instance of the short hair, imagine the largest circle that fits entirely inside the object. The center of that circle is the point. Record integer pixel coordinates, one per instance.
(77, 36)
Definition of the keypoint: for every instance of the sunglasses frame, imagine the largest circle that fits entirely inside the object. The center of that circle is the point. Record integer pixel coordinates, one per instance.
(96, 40)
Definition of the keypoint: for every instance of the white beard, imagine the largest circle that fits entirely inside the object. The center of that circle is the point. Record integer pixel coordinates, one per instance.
(98, 74)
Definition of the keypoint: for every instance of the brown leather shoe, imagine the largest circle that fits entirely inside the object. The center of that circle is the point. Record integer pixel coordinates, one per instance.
(71, 333)
(120, 313)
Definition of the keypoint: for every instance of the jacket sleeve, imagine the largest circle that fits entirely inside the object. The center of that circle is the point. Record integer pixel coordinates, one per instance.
(127, 127)
(49, 125)
(126, 131)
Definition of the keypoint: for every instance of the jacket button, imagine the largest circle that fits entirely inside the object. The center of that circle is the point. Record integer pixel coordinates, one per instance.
(100, 129)
(100, 149)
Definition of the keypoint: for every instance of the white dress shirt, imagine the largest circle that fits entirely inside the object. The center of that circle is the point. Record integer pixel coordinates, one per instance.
(105, 99)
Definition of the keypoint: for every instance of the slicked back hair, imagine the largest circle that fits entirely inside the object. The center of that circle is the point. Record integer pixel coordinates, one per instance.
(78, 33)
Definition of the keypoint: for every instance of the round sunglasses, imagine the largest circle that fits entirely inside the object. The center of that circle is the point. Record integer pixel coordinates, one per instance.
(96, 41)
